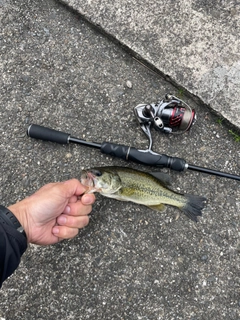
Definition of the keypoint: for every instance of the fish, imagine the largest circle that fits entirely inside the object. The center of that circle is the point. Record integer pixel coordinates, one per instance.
(144, 188)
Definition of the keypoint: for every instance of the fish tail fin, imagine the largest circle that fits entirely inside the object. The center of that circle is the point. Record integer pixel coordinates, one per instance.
(193, 207)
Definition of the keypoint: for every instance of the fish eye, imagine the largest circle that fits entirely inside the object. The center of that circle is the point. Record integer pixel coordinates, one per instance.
(97, 173)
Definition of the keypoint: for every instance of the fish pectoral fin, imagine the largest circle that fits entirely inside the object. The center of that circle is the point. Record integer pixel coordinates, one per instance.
(126, 192)
(159, 207)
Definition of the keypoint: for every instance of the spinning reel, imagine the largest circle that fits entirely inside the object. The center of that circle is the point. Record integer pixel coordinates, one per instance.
(170, 115)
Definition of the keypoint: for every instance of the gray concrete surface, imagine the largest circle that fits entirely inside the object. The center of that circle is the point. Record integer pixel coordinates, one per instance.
(130, 262)
(195, 43)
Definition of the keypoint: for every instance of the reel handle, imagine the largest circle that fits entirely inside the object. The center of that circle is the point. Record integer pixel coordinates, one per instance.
(47, 134)
(145, 157)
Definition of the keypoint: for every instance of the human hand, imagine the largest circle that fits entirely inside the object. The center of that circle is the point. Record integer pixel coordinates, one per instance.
(55, 212)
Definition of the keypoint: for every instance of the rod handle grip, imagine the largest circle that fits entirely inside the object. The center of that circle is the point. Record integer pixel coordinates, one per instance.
(145, 157)
(39, 132)
(157, 160)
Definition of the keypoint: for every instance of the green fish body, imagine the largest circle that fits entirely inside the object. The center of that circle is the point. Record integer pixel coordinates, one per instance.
(128, 184)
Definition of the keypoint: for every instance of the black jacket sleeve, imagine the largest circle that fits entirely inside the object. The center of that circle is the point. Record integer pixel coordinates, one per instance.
(12, 245)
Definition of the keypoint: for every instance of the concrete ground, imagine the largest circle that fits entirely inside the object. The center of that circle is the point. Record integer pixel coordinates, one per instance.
(193, 43)
(129, 262)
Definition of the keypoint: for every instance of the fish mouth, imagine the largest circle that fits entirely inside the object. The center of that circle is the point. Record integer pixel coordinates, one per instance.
(91, 178)
(88, 179)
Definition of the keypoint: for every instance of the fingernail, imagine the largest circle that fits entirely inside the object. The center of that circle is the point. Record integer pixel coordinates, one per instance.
(62, 220)
(55, 230)
(67, 209)
(87, 199)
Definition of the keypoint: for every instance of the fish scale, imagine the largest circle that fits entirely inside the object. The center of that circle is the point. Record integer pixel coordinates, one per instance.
(154, 192)
(140, 187)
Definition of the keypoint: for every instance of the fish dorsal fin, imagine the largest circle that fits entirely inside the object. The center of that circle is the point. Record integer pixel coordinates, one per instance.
(162, 177)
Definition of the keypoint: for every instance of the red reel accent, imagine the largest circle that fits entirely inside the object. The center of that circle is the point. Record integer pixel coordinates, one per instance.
(176, 117)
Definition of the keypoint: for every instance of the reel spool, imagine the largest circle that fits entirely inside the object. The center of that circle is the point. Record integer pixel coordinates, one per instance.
(170, 115)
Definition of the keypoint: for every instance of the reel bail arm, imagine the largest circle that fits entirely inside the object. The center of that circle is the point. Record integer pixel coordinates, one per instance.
(170, 115)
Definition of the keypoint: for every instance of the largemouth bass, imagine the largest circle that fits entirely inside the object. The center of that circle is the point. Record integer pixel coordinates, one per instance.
(128, 184)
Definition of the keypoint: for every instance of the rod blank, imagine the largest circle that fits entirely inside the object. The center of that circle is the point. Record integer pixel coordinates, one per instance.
(213, 172)
(145, 157)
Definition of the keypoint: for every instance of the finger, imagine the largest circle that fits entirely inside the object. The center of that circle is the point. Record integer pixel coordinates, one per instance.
(63, 232)
(73, 187)
(77, 209)
(88, 199)
(67, 209)
(73, 199)
(73, 222)
(68, 188)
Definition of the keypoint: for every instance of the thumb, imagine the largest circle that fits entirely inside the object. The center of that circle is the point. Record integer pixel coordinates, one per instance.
(72, 187)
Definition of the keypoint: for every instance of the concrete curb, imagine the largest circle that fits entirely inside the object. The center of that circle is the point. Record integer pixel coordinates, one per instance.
(193, 45)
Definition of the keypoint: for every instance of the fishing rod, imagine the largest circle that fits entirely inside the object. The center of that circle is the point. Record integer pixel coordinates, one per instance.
(145, 157)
